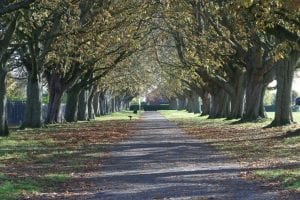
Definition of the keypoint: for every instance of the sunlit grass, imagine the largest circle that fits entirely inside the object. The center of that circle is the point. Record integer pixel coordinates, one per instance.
(296, 116)
(10, 190)
(55, 178)
(289, 177)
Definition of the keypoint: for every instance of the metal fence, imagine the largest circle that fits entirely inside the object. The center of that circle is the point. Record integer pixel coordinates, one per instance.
(16, 112)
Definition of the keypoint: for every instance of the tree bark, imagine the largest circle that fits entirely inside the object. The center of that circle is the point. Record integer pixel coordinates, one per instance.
(91, 111)
(181, 102)
(196, 103)
(262, 111)
(108, 104)
(238, 98)
(205, 103)
(72, 104)
(219, 104)
(3, 102)
(56, 91)
(96, 104)
(254, 92)
(190, 104)
(33, 111)
(113, 104)
(83, 106)
(284, 76)
(173, 103)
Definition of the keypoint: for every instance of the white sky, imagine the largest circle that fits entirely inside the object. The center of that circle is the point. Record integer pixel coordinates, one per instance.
(296, 82)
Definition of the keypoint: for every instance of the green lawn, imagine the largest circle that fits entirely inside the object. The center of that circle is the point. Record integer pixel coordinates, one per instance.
(48, 159)
(296, 116)
(276, 155)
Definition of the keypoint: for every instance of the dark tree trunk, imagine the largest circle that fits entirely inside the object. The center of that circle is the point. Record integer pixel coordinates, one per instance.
(3, 100)
(102, 103)
(33, 110)
(108, 105)
(190, 104)
(173, 103)
(284, 77)
(113, 104)
(238, 98)
(126, 105)
(219, 104)
(196, 103)
(118, 104)
(205, 103)
(262, 110)
(56, 91)
(72, 104)
(181, 103)
(91, 111)
(96, 104)
(83, 106)
(254, 92)
(227, 106)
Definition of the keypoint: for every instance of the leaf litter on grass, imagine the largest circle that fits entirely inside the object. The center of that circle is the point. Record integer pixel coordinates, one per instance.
(56, 160)
(259, 150)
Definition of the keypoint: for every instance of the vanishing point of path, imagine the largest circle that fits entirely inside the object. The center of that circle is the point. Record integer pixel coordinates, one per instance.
(161, 162)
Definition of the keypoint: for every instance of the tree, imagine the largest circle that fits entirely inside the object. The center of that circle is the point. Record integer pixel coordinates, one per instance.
(5, 54)
(9, 20)
(7, 7)
(36, 33)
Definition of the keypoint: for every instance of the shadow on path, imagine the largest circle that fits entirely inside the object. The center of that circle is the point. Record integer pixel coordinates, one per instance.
(161, 162)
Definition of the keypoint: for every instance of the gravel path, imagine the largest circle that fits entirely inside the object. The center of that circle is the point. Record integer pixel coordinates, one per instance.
(161, 162)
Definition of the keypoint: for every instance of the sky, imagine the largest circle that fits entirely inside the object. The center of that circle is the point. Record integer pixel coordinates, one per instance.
(296, 84)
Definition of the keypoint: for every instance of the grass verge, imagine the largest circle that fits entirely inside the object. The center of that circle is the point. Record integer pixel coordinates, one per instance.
(54, 161)
(269, 154)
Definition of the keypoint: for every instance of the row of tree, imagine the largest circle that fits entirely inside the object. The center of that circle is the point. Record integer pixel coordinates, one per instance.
(226, 52)
(77, 48)
(231, 50)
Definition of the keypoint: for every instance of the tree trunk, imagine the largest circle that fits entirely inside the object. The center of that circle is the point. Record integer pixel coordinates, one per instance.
(181, 103)
(91, 111)
(108, 105)
(219, 104)
(205, 103)
(238, 99)
(102, 104)
(3, 102)
(72, 104)
(190, 104)
(96, 104)
(113, 104)
(227, 106)
(83, 106)
(33, 111)
(173, 103)
(262, 111)
(254, 92)
(196, 103)
(284, 77)
(56, 92)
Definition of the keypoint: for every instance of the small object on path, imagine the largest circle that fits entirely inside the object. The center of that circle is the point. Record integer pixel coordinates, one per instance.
(130, 117)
